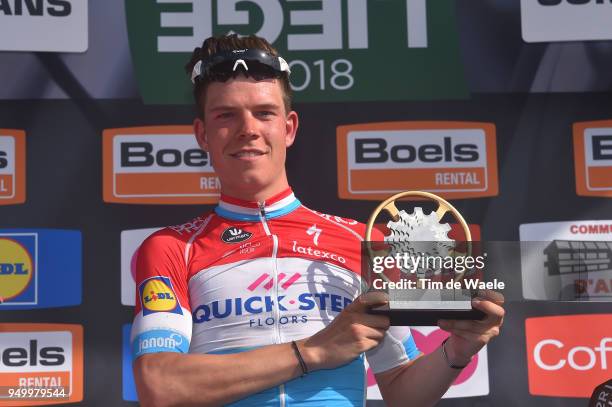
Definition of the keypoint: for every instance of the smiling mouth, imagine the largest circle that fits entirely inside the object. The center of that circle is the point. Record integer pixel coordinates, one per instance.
(247, 154)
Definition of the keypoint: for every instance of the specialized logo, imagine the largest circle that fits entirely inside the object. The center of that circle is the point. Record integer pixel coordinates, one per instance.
(567, 260)
(12, 163)
(157, 165)
(130, 243)
(567, 356)
(452, 159)
(234, 234)
(472, 381)
(566, 20)
(593, 157)
(328, 46)
(44, 356)
(157, 295)
(63, 22)
(270, 281)
(315, 232)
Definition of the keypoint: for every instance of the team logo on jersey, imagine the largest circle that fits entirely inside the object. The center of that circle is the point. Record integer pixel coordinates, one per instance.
(235, 235)
(157, 295)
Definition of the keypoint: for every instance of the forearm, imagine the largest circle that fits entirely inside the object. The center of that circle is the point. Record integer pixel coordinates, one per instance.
(422, 383)
(169, 379)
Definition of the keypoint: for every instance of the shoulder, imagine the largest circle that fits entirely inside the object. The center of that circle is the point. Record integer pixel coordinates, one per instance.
(351, 227)
(177, 236)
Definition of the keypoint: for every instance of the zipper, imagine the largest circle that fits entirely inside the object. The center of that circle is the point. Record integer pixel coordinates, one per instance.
(277, 338)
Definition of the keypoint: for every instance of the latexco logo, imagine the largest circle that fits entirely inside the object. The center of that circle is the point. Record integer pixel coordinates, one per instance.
(472, 381)
(46, 356)
(567, 260)
(452, 159)
(157, 165)
(39, 268)
(12, 165)
(593, 157)
(327, 45)
(130, 242)
(64, 23)
(566, 20)
(567, 356)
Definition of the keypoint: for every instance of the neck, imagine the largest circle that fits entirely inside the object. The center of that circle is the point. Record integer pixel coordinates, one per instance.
(255, 193)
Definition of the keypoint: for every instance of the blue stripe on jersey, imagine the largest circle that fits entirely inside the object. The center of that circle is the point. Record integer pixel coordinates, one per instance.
(159, 340)
(226, 213)
(342, 386)
(411, 349)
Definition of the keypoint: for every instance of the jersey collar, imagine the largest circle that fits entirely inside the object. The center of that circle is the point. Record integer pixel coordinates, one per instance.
(238, 209)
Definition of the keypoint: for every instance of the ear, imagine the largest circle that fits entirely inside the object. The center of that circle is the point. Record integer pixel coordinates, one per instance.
(200, 133)
(291, 126)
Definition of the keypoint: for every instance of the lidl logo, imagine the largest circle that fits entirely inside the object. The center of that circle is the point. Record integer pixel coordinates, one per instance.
(39, 268)
(157, 165)
(16, 269)
(130, 243)
(333, 48)
(46, 356)
(12, 166)
(452, 159)
(157, 295)
(593, 158)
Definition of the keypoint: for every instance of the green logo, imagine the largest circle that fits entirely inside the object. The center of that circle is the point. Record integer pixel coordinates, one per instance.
(338, 50)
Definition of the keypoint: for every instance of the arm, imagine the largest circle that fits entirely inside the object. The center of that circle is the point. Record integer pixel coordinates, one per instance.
(174, 379)
(425, 380)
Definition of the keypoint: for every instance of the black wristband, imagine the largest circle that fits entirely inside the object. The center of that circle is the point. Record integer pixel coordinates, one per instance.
(300, 359)
(448, 362)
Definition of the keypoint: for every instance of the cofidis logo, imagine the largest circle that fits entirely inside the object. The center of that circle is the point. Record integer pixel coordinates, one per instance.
(157, 165)
(568, 356)
(452, 159)
(157, 295)
(44, 356)
(39, 268)
(12, 166)
(472, 381)
(593, 157)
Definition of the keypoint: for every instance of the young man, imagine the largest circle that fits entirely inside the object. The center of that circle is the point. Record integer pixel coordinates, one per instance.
(258, 301)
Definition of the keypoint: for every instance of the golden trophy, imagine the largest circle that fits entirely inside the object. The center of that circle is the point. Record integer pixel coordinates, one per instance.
(417, 264)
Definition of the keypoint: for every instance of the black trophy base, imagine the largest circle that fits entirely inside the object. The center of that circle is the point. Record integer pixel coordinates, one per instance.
(425, 317)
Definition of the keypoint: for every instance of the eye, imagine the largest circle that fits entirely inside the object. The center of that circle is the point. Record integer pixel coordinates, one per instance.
(265, 113)
(225, 115)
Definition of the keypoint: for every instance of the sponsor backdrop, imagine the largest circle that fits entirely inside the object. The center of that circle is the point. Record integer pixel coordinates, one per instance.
(501, 107)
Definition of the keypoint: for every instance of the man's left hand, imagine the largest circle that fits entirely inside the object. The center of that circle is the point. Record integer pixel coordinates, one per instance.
(468, 337)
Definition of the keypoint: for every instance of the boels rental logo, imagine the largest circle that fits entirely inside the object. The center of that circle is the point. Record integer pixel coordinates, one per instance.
(46, 358)
(12, 167)
(39, 268)
(157, 165)
(593, 158)
(452, 159)
(568, 356)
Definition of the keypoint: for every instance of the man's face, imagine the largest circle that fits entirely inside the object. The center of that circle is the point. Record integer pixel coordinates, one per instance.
(246, 132)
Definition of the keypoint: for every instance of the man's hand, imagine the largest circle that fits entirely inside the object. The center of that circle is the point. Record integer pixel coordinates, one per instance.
(468, 337)
(351, 333)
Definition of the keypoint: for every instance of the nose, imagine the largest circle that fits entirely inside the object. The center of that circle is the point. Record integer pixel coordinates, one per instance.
(249, 125)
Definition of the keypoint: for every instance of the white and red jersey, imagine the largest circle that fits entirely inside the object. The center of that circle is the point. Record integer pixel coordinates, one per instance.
(254, 274)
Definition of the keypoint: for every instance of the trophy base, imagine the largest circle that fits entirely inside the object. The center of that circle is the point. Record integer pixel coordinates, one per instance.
(425, 317)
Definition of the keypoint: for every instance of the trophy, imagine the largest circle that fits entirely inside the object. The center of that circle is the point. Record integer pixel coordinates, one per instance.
(423, 271)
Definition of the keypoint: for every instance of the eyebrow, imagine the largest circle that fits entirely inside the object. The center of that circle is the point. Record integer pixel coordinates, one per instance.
(263, 106)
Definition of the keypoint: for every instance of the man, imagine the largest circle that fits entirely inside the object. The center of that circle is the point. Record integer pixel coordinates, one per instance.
(263, 293)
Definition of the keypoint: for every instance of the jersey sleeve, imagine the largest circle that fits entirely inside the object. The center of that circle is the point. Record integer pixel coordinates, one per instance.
(392, 352)
(162, 321)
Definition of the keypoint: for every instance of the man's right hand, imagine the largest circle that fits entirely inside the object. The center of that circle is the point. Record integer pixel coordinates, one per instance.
(351, 333)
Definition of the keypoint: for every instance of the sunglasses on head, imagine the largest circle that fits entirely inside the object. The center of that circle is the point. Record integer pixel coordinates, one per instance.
(252, 62)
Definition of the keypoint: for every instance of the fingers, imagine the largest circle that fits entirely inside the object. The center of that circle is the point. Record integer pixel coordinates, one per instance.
(368, 300)
(495, 313)
(493, 296)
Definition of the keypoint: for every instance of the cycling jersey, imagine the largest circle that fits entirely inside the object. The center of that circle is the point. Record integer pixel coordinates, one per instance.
(248, 275)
